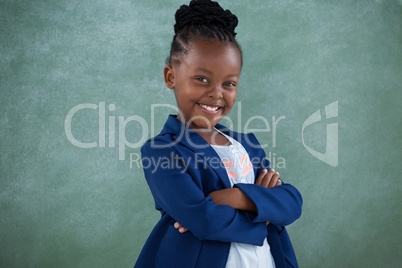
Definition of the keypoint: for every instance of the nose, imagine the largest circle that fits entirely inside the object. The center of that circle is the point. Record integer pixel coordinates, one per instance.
(216, 92)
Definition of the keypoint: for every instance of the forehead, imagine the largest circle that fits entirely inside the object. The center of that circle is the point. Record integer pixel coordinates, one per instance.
(212, 53)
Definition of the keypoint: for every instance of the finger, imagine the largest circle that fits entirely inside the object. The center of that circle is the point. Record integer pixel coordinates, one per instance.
(180, 227)
(261, 176)
(268, 222)
(274, 180)
(183, 229)
(267, 178)
(279, 182)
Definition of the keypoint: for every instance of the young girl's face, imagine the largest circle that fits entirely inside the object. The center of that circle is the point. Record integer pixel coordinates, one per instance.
(205, 82)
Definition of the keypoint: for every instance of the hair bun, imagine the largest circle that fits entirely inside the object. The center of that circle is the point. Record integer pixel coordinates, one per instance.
(205, 12)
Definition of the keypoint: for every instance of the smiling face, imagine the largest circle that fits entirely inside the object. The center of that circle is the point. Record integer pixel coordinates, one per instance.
(205, 82)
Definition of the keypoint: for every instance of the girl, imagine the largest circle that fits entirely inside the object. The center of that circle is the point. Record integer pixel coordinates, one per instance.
(221, 204)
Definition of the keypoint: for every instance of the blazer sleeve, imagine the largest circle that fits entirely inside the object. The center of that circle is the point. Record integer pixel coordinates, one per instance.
(175, 191)
(281, 205)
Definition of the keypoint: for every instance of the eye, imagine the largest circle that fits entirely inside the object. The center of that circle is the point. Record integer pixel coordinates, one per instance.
(229, 84)
(202, 79)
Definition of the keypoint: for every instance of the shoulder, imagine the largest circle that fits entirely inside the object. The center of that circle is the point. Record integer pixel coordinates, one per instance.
(158, 143)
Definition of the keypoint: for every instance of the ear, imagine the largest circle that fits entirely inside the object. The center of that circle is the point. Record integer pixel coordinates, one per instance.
(168, 73)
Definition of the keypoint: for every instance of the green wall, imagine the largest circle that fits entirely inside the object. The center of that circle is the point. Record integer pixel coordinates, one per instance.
(66, 206)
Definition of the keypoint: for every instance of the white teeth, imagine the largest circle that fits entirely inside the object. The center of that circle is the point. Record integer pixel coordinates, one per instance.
(209, 108)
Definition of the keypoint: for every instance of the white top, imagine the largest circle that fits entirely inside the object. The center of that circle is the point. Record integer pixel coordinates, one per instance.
(240, 170)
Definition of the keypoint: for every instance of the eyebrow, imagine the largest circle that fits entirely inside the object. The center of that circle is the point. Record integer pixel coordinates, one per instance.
(209, 72)
(204, 70)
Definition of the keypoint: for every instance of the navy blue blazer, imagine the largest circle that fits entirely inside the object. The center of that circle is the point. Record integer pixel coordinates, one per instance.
(181, 169)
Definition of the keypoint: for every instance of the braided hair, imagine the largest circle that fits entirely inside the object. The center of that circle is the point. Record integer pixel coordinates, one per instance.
(201, 19)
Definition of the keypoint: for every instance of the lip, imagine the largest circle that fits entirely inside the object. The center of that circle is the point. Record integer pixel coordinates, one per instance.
(211, 105)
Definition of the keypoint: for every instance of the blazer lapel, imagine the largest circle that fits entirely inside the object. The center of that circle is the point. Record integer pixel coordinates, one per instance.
(192, 140)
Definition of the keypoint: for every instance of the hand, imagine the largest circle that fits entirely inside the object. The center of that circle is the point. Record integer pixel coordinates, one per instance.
(180, 227)
(268, 179)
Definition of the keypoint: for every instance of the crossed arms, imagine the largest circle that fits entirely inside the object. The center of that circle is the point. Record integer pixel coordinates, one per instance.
(238, 214)
(236, 199)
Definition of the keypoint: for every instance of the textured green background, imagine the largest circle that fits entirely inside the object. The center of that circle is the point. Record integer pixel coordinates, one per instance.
(64, 206)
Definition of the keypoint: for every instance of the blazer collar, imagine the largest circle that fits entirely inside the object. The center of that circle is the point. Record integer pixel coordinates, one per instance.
(175, 126)
(183, 134)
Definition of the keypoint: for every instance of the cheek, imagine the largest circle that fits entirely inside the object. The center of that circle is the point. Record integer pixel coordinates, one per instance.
(231, 98)
(184, 95)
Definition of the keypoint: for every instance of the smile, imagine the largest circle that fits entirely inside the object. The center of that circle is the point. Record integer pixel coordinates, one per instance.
(209, 109)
